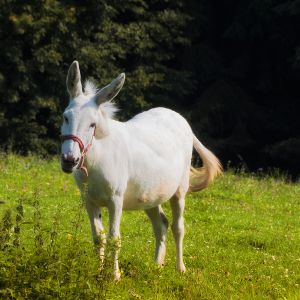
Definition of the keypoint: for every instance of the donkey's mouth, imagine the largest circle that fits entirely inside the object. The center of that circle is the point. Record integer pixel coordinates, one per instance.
(68, 171)
(67, 166)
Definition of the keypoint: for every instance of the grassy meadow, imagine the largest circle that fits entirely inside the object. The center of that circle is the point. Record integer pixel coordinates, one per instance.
(242, 241)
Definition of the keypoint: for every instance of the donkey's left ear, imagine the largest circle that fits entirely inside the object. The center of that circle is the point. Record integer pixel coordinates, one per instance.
(111, 90)
(74, 80)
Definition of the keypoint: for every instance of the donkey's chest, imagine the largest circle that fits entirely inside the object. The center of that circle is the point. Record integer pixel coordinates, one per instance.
(100, 191)
(97, 187)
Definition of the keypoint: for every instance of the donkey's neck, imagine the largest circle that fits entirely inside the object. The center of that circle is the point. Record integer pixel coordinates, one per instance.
(107, 142)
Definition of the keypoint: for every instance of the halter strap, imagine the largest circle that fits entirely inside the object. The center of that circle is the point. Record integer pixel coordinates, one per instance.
(83, 149)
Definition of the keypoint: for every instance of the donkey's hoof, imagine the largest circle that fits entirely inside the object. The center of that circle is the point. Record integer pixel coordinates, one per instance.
(160, 263)
(181, 269)
(117, 276)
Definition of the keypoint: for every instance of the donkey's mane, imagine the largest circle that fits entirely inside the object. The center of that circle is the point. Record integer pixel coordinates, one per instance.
(109, 108)
(90, 88)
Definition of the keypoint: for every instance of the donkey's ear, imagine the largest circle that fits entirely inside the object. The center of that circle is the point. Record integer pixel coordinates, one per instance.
(111, 90)
(74, 80)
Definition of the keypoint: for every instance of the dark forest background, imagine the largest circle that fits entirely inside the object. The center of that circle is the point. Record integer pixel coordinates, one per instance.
(232, 68)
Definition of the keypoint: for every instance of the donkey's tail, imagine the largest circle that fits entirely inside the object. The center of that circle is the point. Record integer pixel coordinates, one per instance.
(200, 178)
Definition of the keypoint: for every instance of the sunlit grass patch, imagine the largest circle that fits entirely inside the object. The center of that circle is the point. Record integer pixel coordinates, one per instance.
(242, 241)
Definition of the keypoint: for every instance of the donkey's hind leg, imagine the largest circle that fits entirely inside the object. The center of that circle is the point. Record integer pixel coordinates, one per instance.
(177, 205)
(160, 226)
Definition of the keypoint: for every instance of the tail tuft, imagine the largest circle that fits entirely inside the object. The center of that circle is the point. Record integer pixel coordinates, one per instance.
(200, 178)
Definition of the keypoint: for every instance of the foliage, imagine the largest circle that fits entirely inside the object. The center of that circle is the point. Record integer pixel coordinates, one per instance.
(242, 241)
(41, 39)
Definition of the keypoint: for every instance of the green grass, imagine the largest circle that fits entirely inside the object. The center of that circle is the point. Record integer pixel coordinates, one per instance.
(242, 241)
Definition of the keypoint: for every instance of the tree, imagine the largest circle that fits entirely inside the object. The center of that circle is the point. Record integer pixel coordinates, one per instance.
(40, 39)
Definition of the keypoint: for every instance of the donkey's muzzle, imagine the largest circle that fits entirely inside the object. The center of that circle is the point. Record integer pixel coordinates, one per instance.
(68, 162)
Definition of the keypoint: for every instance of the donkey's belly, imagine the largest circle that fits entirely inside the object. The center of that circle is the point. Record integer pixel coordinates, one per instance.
(141, 196)
(134, 199)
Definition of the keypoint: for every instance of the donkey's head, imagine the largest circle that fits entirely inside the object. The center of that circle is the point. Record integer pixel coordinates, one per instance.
(83, 118)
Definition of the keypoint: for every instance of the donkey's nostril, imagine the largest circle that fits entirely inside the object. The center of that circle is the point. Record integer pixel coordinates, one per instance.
(76, 160)
(70, 157)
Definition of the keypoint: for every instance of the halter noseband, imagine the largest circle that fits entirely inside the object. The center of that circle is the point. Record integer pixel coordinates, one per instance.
(83, 149)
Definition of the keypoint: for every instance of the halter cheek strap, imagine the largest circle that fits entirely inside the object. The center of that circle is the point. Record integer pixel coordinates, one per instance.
(83, 149)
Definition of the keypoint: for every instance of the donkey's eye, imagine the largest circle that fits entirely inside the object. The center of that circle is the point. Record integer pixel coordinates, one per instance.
(93, 125)
(66, 120)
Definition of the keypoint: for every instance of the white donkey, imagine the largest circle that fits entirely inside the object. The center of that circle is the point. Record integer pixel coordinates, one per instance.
(138, 164)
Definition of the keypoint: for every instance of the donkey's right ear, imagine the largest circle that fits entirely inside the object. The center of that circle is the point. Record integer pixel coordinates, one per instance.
(74, 80)
(111, 90)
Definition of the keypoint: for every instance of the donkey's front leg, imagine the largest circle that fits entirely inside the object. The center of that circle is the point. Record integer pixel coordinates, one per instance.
(99, 237)
(115, 213)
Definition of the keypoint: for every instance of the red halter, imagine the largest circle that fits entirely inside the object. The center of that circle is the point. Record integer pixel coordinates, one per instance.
(83, 149)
